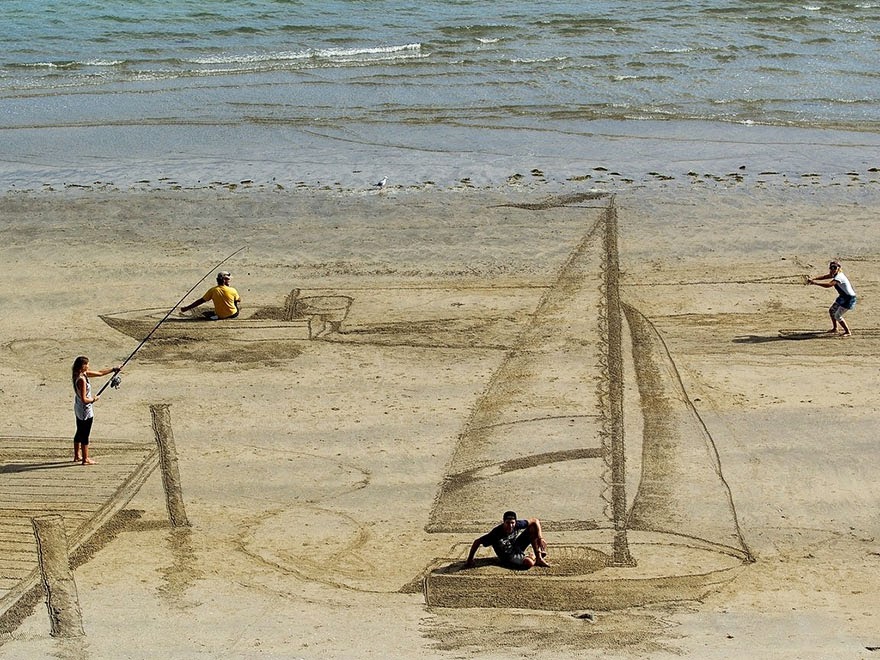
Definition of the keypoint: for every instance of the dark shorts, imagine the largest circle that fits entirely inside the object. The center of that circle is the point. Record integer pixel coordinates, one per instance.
(515, 558)
(83, 429)
(211, 316)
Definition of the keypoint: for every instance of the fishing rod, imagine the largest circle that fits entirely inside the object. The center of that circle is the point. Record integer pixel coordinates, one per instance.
(116, 380)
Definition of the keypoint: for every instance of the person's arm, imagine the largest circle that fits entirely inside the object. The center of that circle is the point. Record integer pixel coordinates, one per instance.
(102, 372)
(822, 280)
(474, 547)
(193, 304)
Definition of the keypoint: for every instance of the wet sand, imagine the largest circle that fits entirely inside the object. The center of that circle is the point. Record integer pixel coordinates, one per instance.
(310, 468)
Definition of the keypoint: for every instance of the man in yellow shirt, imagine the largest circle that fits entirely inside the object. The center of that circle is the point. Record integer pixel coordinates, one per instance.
(227, 302)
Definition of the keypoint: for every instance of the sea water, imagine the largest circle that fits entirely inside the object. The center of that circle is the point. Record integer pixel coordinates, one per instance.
(342, 91)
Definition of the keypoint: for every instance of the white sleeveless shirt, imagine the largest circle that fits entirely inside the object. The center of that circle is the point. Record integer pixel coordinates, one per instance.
(81, 409)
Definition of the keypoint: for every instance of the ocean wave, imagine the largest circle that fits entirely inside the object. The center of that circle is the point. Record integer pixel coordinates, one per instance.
(476, 31)
(69, 64)
(538, 60)
(343, 54)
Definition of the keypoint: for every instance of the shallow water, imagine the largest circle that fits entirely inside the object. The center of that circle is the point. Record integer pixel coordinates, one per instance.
(341, 91)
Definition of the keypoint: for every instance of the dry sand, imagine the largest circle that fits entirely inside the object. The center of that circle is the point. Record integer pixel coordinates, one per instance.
(309, 469)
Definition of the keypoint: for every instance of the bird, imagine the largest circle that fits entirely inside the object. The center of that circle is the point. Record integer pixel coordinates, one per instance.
(381, 184)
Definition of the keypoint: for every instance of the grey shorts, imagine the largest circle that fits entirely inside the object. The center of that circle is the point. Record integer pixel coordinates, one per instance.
(517, 556)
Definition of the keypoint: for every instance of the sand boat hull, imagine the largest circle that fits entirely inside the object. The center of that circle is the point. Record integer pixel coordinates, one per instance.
(138, 323)
(308, 317)
(582, 577)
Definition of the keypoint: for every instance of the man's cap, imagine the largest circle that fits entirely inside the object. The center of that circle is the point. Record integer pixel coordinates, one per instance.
(834, 264)
(509, 514)
(224, 273)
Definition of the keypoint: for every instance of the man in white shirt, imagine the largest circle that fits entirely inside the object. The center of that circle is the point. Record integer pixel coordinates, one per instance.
(846, 295)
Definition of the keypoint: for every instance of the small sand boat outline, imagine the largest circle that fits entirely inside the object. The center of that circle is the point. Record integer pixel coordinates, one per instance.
(299, 317)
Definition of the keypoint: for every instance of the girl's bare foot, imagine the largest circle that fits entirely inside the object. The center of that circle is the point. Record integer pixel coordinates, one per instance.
(88, 461)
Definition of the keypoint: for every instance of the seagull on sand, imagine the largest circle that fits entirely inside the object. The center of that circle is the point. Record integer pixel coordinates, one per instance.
(382, 183)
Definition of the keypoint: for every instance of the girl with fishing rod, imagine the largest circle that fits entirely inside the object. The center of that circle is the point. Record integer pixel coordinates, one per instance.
(83, 405)
(84, 401)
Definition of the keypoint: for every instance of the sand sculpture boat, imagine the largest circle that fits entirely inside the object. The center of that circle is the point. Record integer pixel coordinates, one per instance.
(36, 481)
(300, 317)
(636, 520)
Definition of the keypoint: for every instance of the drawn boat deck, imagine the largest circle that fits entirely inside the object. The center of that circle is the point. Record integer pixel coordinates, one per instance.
(38, 477)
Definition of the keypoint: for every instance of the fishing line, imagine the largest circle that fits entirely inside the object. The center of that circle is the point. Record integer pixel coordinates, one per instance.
(117, 380)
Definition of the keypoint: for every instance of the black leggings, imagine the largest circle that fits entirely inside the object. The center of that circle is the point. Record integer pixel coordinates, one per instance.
(83, 429)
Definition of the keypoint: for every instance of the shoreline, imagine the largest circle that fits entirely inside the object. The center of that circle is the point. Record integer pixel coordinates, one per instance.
(649, 154)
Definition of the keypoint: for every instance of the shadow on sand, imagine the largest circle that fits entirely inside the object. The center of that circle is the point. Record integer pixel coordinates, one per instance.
(784, 335)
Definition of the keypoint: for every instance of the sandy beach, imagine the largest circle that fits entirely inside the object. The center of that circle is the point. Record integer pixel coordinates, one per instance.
(311, 468)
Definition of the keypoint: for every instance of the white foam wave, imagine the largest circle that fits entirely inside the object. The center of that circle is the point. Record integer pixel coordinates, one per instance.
(72, 64)
(343, 54)
(537, 60)
(103, 62)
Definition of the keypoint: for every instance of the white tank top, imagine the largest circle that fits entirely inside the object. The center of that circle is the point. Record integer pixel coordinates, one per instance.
(81, 409)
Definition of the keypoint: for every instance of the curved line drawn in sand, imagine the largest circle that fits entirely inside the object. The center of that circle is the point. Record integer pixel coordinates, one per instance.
(676, 538)
(338, 559)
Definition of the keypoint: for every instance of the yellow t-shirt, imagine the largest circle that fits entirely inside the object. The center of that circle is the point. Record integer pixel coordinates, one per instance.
(224, 299)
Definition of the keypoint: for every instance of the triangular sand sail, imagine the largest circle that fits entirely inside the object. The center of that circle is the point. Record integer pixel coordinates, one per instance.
(539, 419)
(681, 488)
(552, 416)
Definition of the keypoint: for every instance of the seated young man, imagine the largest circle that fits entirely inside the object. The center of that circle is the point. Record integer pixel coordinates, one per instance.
(510, 540)
(227, 302)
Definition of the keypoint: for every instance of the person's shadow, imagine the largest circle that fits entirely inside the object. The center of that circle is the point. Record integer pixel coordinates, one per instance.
(782, 335)
(25, 467)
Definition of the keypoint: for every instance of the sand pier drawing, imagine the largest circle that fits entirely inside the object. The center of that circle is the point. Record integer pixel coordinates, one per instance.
(35, 482)
(54, 514)
(653, 519)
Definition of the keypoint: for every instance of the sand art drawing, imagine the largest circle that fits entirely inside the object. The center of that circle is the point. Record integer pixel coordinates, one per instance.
(300, 317)
(33, 485)
(360, 466)
(641, 537)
